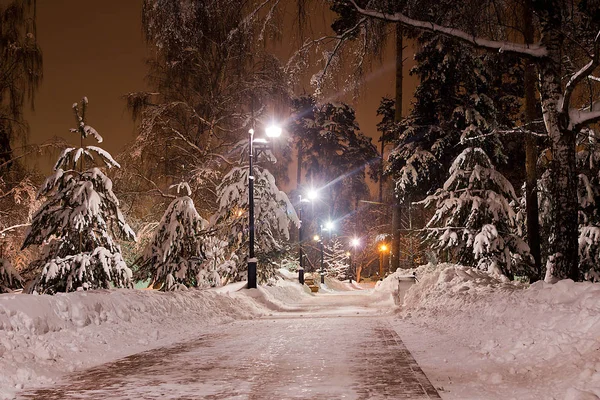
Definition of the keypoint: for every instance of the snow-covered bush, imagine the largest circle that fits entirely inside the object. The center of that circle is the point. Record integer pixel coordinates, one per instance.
(474, 219)
(174, 256)
(74, 225)
(9, 277)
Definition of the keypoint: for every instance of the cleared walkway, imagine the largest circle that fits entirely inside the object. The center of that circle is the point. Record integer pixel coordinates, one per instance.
(329, 348)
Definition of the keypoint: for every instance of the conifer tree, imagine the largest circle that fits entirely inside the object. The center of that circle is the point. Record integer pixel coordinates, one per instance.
(74, 225)
(174, 255)
(336, 260)
(273, 215)
(334, 152)
(474, 220)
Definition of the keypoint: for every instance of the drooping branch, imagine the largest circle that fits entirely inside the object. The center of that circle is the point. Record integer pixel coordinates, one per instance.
(531, 50)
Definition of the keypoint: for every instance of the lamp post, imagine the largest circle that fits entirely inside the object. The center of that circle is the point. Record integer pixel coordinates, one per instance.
(272, 131)
(355, 242)
(312, 195)
(382, 249)
(319, 239)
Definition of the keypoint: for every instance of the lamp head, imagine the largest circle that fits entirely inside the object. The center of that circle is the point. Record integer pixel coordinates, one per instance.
(316, 238)
(355, 242)
(273, 131)
(312, 194)
(329, 225)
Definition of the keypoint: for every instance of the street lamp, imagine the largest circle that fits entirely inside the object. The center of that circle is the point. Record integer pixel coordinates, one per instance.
(273, 132)
(382, 249)
(300, 238)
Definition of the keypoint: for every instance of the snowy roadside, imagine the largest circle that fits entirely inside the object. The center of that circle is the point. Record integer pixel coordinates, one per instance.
(44, 337)
(478, 336)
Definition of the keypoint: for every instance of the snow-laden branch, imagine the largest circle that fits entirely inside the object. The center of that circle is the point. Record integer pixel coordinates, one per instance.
(580, 118)
(10, 228)
(577, 77)
(531, 50)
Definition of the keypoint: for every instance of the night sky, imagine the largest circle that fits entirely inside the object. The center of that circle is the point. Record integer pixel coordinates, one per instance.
(96, 49)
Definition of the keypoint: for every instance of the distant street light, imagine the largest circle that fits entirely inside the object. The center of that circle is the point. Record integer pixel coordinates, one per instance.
(273, 132)
(329, 225)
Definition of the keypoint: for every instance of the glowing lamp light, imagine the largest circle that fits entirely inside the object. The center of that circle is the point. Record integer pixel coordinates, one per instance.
(273, 131)
(329, 225)
(316, 238)
(383, 248)
(355, 242)
(313, 194)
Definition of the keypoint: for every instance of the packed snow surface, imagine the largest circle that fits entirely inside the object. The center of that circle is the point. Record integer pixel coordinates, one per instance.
(476, 336)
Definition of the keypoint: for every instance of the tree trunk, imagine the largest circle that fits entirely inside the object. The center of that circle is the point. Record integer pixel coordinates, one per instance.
(531, 152)
(562, 262)
(396, 207)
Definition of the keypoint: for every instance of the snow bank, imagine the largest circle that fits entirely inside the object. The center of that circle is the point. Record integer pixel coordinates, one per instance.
(544, 333)
(41, 337)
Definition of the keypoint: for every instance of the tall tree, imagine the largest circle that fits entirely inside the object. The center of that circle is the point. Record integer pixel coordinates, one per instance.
(334, 152)
(211, 79)
(20, 71)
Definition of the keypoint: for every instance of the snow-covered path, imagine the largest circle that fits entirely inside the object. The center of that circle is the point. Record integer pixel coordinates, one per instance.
(329, 346)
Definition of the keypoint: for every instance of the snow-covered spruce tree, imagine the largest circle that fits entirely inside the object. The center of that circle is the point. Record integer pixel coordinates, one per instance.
(273, 213)
(336, 260)
(174, 255)
(9, 277)
(588, 194)
(74, 225)
(474, 219)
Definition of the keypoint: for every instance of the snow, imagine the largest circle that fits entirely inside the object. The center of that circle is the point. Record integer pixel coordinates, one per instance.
(475, 335)
(506, 340)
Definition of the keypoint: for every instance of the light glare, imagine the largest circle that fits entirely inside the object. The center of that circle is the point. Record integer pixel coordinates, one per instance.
(273, 131)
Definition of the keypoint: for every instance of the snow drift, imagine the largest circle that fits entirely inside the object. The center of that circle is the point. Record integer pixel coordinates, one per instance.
(43, 336)
(544, 333)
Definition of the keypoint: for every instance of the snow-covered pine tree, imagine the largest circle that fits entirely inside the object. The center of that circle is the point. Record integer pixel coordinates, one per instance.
(174, 255)
(273, 213)
(9, 277)
(588, 194)
(474, 219)
(74, 225)
(336, 259)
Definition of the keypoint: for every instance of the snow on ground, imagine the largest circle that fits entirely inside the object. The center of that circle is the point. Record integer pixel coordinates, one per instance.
(42, 337)
(476, 336)
(482, 337)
